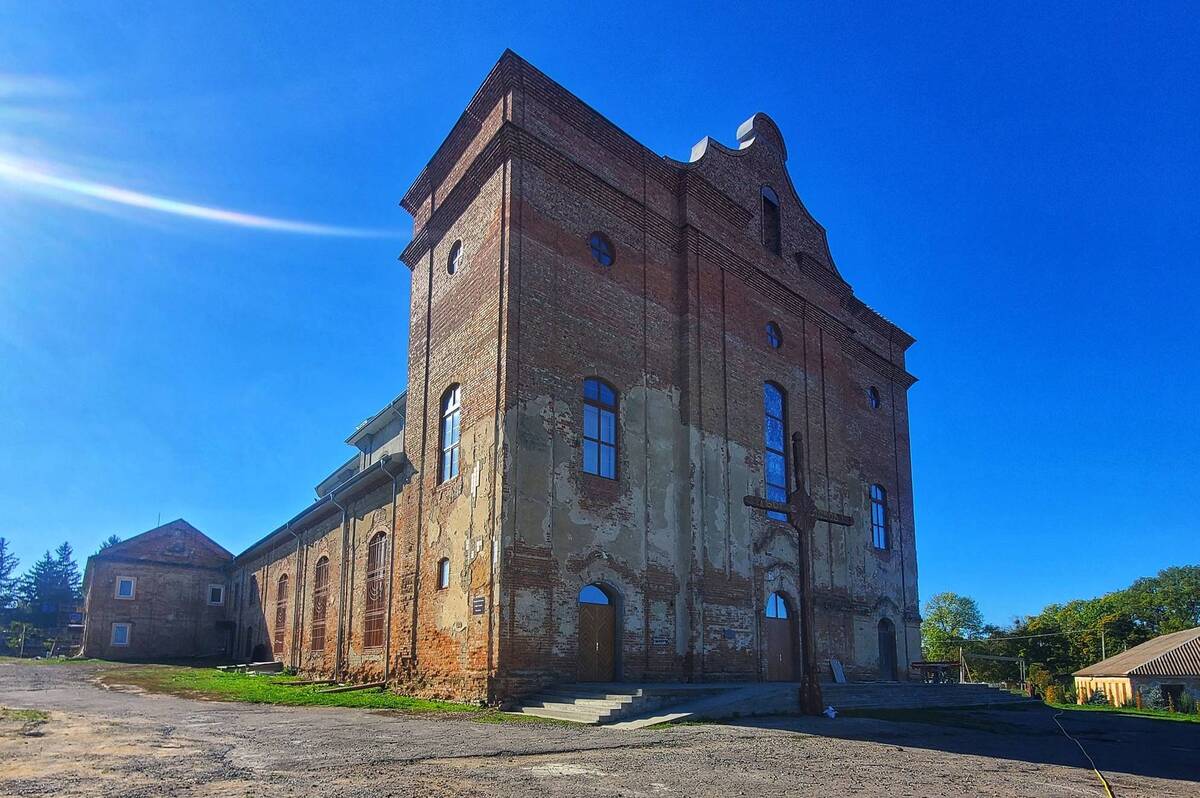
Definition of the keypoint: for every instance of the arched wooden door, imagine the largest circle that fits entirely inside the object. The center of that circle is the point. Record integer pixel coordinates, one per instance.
(887, 650)
(778, 629)
(597, 635)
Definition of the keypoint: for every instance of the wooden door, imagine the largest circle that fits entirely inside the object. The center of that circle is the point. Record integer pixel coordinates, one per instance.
(887, 651)
(597, 627)
(781, 661)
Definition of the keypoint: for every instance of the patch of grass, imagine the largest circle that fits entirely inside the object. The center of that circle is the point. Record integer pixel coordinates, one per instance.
(517, 718)
(4, 660)
(23, 715)
(961, 717)
(211, 684)
(1133, 712)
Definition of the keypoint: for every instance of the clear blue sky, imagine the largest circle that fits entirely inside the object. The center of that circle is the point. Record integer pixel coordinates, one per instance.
(1018, 189)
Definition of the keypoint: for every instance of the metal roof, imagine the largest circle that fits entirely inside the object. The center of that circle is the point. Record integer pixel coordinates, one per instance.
(1176, 654)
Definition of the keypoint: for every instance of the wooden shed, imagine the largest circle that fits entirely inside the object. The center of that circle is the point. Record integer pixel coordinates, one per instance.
(1171, 662)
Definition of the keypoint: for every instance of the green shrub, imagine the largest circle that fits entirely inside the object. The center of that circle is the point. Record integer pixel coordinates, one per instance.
(1187, 703)
(1052, 694)
(1154, 698)
(1069, 694)
(1098, 698)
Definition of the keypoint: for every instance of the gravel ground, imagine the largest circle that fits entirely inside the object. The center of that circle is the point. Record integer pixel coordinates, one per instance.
(105, 742)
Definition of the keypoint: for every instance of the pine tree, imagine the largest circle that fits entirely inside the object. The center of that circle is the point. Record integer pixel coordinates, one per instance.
(8, 582)
(51, 582)
(111, 540)
(68, 571)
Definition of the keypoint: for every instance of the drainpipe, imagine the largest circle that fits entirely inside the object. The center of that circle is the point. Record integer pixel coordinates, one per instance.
(387, 631)
(297, 608)
(337, 663)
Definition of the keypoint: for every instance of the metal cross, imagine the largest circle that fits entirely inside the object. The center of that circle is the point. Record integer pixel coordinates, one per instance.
(802, 513)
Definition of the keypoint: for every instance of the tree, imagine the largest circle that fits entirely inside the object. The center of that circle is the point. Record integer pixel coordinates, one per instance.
(949, 618)
(8, 583)
(111, 540)
(67, 570)
(51, 582)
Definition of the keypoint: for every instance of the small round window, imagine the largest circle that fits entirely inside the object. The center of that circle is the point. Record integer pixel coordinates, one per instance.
(455, 258)
(774, 335)
(602, 249)
(873, 397)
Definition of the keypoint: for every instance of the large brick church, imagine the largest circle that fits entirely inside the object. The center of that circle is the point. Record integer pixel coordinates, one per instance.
(608, 349)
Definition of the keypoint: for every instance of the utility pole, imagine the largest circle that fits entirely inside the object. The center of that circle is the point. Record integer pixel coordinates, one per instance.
(802, 513)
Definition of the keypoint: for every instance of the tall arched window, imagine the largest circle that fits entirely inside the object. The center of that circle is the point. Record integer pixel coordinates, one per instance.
(320, 600)
(443, 574)
(281, 604)
(450, 433)
(775, 438)
(879, 521)
(772, 237)
(599, 428)
(375, 607)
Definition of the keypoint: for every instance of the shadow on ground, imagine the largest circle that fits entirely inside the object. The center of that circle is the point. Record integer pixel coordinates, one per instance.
(1149, 747)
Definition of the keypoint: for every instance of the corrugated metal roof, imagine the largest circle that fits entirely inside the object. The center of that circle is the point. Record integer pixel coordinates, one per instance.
(1176, 654)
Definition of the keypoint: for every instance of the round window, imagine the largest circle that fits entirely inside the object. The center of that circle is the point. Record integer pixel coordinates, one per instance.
(873, 397)
(774, 335)
(602, 249)
(455, 258)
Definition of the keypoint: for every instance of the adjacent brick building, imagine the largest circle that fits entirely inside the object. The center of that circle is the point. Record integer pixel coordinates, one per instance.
(608, 349)
(158, 595)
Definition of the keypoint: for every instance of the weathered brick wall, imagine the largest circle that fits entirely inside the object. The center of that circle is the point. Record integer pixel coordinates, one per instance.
(169, 614)
(676, 324)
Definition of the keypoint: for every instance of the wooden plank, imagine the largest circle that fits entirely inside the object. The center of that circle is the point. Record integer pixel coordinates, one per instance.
(346, 688)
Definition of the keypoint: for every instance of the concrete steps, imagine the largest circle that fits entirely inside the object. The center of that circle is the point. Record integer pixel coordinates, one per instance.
(608, 703)
(909, 695)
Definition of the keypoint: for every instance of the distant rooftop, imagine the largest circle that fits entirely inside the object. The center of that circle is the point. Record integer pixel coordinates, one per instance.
(1176, 654)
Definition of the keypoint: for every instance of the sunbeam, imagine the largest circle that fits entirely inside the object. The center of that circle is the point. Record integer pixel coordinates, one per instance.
(46, 182)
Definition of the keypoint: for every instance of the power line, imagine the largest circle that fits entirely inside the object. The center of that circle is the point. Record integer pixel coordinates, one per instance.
(1019, 637)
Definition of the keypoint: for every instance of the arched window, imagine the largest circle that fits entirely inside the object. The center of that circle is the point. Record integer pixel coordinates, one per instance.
(375, 607)
(602, 249)
(320, 600)
(776, 606)
(775, 456)
(443, 574)
(873, 398)
(281, 604)
(592, 594)
(454, 259)
(771, 236)
(599, 428)
(253, 597)
(450, 433)
(774, 335)
(249, 641)
(879, 521)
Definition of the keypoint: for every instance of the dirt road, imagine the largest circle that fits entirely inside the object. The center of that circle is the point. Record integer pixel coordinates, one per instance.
(101, 742)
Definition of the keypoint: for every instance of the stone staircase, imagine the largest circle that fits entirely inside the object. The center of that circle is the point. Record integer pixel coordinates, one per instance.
(913, 695)
(632, 706)
(594, 704)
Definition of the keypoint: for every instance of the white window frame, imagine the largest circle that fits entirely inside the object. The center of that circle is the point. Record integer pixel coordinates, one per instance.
(128, 627)
(208, 595)
(132, 588)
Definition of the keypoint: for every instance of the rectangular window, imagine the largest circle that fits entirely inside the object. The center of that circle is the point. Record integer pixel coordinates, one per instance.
(599, 429)
(126, 587)
(774, 455)
(879, 521)
(216, 595)
(120, 634)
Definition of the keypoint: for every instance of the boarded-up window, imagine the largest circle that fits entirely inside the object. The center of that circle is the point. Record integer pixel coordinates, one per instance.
(771, 237)
(281, 604)
(320, 601)
(375, 609)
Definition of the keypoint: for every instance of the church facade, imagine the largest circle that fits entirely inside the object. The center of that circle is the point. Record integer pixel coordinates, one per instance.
(608, 350)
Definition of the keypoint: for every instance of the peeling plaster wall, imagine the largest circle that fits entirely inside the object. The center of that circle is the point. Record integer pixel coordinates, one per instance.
(679, 332)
